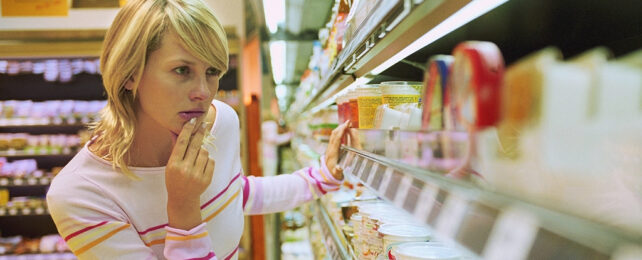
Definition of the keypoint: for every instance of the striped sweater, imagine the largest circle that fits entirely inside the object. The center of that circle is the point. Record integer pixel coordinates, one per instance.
(102, 214)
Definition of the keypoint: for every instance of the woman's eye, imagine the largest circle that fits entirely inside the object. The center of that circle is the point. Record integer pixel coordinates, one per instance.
(181, 70)
(213, 72)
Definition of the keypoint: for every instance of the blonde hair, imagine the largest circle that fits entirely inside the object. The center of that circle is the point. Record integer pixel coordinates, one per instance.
(136, 32)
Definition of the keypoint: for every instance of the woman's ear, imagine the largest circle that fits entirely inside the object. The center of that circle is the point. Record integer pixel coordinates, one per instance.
(129, 85)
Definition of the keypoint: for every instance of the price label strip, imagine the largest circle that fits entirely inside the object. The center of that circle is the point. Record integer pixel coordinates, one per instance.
(402, 190)
(427, 198)
(385, 180)
(356, 165)
(372, 172)
(452, 215)
(378, 177)
(393, 186)
(512, 236)
(365, 171)
(412, 198)
(362, 169)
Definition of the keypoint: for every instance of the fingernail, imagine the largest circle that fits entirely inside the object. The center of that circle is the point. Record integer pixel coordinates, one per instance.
(193, 120)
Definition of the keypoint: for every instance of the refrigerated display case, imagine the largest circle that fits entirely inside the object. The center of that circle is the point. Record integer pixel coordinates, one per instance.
(479, 209)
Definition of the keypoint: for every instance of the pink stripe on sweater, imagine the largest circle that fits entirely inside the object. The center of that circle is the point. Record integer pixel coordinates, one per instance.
(228, 257)
(208, 256)
(317, 181)
(246, 191)
(221, 193)
(152, 229)
(72, 235)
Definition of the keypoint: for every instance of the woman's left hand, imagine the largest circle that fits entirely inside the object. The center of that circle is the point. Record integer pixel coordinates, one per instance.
(332, 152)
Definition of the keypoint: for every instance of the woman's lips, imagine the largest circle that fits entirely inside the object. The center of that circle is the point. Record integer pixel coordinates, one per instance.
(187, 115)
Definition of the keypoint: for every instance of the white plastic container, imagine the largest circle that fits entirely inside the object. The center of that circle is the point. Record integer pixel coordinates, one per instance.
(395, 93)
(396, 234)
(425, 251)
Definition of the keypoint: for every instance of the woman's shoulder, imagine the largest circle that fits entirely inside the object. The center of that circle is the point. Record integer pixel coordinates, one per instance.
(225, 114)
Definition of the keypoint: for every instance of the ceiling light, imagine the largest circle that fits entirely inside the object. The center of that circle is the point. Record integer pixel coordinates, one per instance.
(274, 12)
(277, 59)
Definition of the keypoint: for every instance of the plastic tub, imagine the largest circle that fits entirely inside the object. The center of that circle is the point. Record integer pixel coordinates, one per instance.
(368, 99)
(424, 251)
(395, 93)
(395, 234)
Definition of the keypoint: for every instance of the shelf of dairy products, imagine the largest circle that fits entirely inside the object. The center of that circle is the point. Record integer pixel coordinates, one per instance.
(376, 31)
(24, 181)
(51, 256)
(489, 224)
(333, 239)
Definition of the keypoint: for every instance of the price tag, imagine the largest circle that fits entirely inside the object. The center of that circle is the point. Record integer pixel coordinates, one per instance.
(393, 186)
(13, 211)
(402, 190)
(372, 173)
(40, 211)
(365, 170)
(453, 213)
(3, 211)
(26, 211)
(18, 181)
(378, 176)
(355, 166)
(362, 168)
(385, 181)
(44, 181)
(411, 201)
(4, 181)
(427, 198)
(512, 236)
(32, 181)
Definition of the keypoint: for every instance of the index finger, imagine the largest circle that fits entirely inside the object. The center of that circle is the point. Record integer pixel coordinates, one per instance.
(337, 134)
(183, 140)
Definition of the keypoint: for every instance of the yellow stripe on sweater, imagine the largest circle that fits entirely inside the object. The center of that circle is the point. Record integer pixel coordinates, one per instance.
(223, 207)
(91, 234)
(184, 238)
(101, 239)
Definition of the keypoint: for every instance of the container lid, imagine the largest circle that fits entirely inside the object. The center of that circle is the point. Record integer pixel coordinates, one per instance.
(368, 89)
(399, 89)
(397, 83)
(425, 250)
(404, 230)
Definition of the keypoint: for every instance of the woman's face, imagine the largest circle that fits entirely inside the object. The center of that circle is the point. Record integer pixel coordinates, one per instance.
(175, 87)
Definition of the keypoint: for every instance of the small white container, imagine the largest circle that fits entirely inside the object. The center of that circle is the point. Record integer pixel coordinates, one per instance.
(425, 251)
(396, 234)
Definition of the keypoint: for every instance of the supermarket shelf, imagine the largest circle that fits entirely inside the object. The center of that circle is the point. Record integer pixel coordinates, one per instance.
(336, 248)
(11, 212)
(489, 224)
(8, 182)
(48, 256)
(18, 155)
(42, 128)
(388, 30)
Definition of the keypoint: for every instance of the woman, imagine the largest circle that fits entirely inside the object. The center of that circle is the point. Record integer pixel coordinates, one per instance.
(147, 186)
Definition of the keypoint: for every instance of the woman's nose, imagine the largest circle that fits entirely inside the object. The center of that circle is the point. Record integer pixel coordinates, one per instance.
(201, 89)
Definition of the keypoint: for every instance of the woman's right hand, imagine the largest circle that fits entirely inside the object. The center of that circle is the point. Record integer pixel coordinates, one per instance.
(188, 173)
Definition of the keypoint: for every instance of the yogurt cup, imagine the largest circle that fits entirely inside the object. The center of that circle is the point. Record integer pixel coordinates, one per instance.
(424, 251)
(396, 234)
(395, 93)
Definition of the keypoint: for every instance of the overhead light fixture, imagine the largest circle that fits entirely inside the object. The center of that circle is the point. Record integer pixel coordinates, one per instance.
(277, 59)
(466, 14)
(274, 12)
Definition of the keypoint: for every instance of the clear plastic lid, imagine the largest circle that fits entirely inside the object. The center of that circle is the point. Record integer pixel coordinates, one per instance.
(404, 230)
(425, 251)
